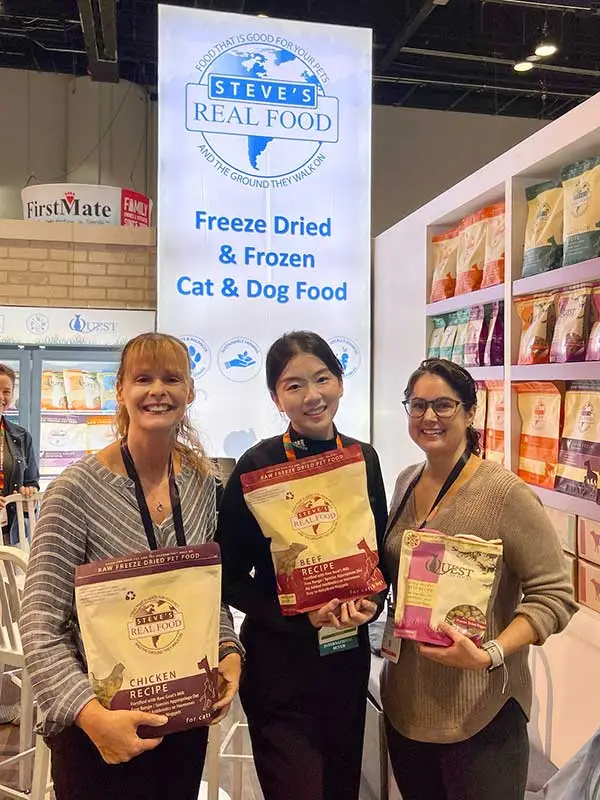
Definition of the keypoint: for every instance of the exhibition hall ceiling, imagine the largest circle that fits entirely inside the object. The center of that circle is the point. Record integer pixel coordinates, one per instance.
(455, 55)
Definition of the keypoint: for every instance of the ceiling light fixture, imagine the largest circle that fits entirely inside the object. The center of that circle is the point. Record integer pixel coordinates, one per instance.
(523, 66)
(534, 59)
(546, 46)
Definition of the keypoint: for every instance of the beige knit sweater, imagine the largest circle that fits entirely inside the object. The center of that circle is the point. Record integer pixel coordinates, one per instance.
(429, 702)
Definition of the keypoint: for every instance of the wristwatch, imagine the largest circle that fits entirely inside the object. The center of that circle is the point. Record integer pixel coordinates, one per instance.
(496, 652)
(227, 648)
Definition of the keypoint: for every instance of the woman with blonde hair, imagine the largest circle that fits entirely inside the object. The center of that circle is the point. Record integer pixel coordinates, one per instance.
(91, 512)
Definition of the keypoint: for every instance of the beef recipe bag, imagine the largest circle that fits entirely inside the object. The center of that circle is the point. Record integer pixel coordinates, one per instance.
(444, 578)
(317, 514)
(150, 628)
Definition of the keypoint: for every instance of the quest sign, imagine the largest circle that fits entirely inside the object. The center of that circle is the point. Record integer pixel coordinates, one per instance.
(81, 202)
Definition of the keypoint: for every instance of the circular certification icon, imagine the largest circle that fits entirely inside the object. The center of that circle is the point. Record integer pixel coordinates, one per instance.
(37, 324)
(347, 353)
(240, 359)
(199, 353)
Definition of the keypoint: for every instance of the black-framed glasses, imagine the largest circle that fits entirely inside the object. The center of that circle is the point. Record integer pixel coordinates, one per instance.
(442, 407)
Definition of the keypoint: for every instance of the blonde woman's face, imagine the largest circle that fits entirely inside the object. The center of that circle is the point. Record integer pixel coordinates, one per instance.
(155, 397)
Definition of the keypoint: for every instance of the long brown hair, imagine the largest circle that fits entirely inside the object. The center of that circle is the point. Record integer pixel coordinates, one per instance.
(161, 349)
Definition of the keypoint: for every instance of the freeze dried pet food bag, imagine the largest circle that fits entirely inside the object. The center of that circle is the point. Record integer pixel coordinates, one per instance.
(544, 232)
(537, 315)
(460, 340)
(444, 578)
(150, 629)
(578, 468)
(439, 325)
(539, 406)
(444, 248)
(477, 334)
(493, 268)
(581, 183)
(471, 252)
(494, 424)
(317, 514)
(592, 352)
(572, 325)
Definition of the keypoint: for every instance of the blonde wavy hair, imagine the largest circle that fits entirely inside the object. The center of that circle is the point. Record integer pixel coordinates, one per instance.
(161, 350)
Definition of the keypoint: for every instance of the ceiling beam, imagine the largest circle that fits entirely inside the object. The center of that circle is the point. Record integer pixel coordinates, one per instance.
(591, 6)
(404, 35)
(483, 86)
(99, 26)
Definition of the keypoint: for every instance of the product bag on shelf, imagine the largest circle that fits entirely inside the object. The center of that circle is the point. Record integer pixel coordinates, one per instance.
(495, 247)
(493, 355)
(316, 513)
(592, 352)
(565, 525)
(447, 343)
(581, 183)
(458, 594)
(572, 325)
(471, 252)
(54, 396)
(540, 409)
(480, 413)
(588, 539)
(537, 313)
(477, 334)
(578, 468)
(544, 232)
(494, 423)
(444, 250)
(437, 334)
(150, 629)
(460, 340)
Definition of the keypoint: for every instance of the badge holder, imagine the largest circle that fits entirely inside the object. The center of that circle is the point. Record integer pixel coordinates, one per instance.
(334, 640)
(390, 645)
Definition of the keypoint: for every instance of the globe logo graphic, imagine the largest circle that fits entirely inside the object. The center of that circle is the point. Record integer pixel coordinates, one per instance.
(261, 110)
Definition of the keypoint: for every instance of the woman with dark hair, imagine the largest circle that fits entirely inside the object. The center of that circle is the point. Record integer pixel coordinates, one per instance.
(456, 717)
(306, 712)
(18, 466)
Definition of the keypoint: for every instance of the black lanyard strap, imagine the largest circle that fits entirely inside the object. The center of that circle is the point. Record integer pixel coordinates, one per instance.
(452, 477)
(143, 505)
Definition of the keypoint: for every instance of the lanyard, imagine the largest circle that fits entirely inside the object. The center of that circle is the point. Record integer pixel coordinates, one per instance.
(452, 477)
(290, 452)
(143, 505)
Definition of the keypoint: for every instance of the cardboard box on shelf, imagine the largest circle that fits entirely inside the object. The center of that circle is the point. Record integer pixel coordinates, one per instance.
(565, 526)
(588, 539)
(572, 562)
(588, 585)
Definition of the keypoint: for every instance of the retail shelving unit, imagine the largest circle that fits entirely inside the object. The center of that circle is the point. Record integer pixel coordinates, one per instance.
(570, 667)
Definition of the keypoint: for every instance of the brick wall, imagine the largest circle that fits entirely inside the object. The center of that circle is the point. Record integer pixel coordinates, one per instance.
(94, 274)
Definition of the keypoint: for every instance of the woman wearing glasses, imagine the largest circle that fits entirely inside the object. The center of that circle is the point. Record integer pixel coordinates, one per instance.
(456, 717)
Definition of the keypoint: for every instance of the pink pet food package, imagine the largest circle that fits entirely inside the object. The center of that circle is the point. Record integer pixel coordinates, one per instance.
(444, 578)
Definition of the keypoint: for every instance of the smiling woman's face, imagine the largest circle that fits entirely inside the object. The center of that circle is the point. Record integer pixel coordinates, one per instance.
(438, 435)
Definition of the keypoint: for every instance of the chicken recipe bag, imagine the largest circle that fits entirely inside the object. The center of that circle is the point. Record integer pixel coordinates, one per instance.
(317, 514)
(150, 628)
(444, 578)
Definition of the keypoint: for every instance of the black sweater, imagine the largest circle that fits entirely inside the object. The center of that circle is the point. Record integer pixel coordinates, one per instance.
(244, 548)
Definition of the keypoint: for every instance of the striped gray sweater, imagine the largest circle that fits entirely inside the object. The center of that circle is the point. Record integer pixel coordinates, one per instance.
(90, 513)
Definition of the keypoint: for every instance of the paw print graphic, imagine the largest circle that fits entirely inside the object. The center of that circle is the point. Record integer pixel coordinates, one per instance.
(289, 495)
(130, 595)
(195, 356)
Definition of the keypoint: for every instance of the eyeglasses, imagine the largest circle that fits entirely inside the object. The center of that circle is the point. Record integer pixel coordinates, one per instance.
(443, 407)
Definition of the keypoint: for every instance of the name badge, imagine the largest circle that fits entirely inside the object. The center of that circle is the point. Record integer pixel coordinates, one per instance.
(334, 640)
(390, 645)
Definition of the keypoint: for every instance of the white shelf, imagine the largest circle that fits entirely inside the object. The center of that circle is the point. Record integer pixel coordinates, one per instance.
(568, 503)
(66, 412)
(576, 371)
(565, 276)
(487, 295)
(486, 373)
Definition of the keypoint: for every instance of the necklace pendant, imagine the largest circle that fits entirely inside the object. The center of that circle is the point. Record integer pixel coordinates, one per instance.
(160, 507)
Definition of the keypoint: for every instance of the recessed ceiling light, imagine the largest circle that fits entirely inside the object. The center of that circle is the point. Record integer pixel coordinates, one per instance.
(523, 66)
(545, 49)
(534, 59)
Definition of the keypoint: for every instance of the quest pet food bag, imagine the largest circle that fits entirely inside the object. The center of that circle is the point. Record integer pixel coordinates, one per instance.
(317, 514)
(444, 578)
(150, 629)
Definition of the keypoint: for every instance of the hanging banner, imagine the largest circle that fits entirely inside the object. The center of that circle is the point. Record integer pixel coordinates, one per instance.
(264, 207)
(86, 203)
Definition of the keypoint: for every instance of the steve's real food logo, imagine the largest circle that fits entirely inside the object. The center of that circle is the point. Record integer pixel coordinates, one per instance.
(262, 109)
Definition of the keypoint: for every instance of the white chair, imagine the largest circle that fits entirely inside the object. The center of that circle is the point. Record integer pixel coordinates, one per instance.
(13, 564)
(31, 505)
(227, 742)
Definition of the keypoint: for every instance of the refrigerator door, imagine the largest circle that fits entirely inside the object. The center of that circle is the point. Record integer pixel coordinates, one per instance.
(73, 393)
(19, 360)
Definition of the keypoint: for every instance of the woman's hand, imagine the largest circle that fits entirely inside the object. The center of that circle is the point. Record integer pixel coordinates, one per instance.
(28, 491)
(343, 615)
(462, 653)
(230, 669)
(115, 732)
